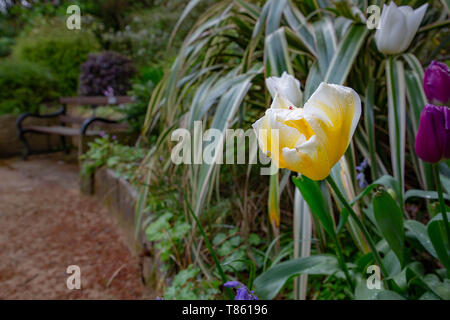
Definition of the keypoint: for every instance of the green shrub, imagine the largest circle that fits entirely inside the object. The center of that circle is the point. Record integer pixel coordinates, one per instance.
(5, 46)
(24, 86)
(59, 49)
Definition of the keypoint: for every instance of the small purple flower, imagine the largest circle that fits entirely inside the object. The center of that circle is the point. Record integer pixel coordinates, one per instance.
(114, 137)
(433, 136)
(102, 134)
(232, 284)
(360, 177)
(363, 165)
(436, 83)
(109, 92)
(242, 292)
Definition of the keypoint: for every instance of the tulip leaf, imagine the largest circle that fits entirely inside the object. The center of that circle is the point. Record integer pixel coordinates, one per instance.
(369, 123)
(386, 181)
(429, 296)
(302, 228)
(276, 49)
(414, 274)
(389, 220)
(312, 81)
(346, 53)
(396, 118)
(414, 64)
(274, 15)
(435, 229)
(297, 22)
(226, 110)
(389, 295)
(274, 200)
(419, 231)
(326, 41)
(341, 174)
(362, 292)
(334, 68)
(313, 196)
(268, 284)
(430, 195)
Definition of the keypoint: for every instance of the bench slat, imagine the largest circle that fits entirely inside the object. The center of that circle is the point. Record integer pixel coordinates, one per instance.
(71, 119)
(60, 130)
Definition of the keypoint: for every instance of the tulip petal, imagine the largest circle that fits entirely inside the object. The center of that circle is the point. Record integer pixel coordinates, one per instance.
(393, 29)
(436, 83)
(433, 137)
(312, 139)
(413, 20)
(287, 86)
(310, 159)
(333, 113)
(446, 111)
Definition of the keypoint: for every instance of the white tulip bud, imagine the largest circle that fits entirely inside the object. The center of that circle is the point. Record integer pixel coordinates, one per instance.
(397, 27)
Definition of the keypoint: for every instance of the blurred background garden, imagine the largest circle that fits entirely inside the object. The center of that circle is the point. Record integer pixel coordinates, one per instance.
(185, 230)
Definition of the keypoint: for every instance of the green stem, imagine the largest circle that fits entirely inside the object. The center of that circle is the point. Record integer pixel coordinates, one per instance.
(361, 227)
(342, 262)
(441, 201)
(397, 129)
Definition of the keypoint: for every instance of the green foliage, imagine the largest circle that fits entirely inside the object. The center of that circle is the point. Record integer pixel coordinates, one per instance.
(24, 86)
(168, 234)
(141, 90)
(328, 288)
(187, 285)
(106, 151)
(234, 252)
(5, 46)
(218, 77)
(145, 35)
(62, 51)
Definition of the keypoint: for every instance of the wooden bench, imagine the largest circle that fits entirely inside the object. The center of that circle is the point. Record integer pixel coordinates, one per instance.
(85, 126)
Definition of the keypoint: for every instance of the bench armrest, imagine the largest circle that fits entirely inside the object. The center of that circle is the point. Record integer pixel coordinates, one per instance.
(23, 116)
(89, 121)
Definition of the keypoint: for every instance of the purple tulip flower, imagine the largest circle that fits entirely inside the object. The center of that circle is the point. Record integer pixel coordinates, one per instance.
(436, 83)
(433, 137)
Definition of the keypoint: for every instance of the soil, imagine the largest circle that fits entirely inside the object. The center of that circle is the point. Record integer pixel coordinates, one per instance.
(46, 225)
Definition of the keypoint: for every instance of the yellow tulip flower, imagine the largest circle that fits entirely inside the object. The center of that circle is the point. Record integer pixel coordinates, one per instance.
(312, 139)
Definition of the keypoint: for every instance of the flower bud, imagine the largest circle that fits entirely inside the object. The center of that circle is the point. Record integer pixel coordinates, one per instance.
(436, 83)
(433, 136)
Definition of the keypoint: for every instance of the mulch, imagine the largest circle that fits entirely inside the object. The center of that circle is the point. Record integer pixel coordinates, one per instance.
(46, 225)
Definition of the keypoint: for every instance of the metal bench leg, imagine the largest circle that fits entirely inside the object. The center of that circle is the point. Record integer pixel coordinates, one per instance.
(25, 143)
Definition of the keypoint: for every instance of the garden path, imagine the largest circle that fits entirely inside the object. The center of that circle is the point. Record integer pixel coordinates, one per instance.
(47, 225)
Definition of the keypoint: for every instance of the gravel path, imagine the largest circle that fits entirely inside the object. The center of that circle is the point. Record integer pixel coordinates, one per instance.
(47, 225)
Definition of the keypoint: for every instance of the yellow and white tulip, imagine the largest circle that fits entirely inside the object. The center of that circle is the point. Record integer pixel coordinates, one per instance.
(312, 139)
